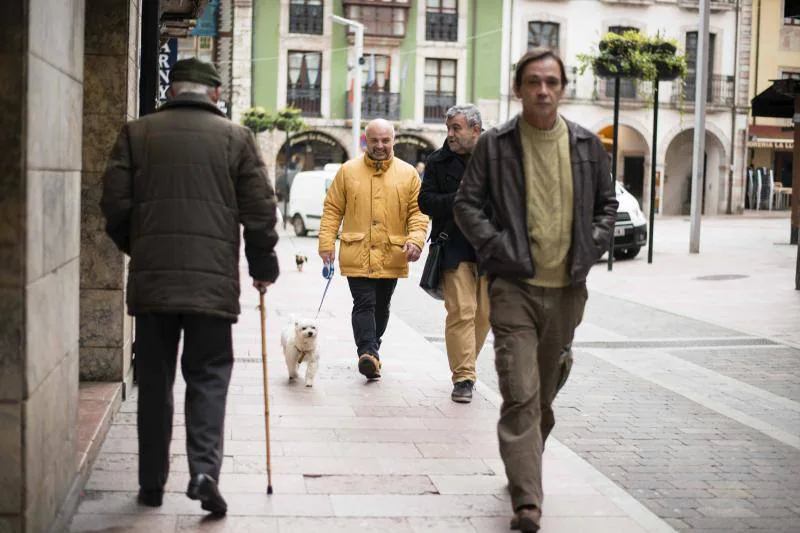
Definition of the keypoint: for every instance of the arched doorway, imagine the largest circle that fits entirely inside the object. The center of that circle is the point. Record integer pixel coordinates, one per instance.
(678, 174)
(412, 149)
(632, 159)
(309, 150)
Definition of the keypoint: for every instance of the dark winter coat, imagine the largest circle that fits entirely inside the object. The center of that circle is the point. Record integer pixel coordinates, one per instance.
(178, 184)
(443, 171)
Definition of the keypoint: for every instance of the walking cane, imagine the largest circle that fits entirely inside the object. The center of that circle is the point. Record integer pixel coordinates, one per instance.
(266, 386)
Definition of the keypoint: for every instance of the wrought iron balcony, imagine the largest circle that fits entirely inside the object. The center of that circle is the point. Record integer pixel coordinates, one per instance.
(437, 104)
(720, 91)
(308, 99)
(305, 18)
(441, 26)
(381, 18)
(630, 90)
(376, 105)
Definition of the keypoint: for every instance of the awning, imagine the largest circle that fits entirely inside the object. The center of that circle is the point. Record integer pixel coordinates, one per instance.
(771, 103)
(772, 137)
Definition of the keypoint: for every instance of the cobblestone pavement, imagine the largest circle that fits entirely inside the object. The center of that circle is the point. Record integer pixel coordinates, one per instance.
(685, 392)
(684, 404)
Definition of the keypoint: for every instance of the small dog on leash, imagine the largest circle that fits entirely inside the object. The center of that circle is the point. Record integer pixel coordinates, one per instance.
(299, 260)
(299, 342)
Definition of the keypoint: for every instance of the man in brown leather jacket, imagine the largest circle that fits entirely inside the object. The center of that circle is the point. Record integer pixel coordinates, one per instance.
(552, 202)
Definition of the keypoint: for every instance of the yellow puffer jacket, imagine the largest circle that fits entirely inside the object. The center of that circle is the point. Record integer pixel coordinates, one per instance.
(377, 200)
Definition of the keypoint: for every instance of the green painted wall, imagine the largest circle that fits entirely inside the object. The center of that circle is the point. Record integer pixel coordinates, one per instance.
(266, 33)
(408, 56)
(339, 74)
(486, 46)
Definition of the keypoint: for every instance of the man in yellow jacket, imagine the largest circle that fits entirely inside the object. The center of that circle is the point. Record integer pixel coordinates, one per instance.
(374, 198)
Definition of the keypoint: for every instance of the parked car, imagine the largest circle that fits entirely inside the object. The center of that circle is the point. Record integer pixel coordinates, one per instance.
(630, 229)
(307, 196)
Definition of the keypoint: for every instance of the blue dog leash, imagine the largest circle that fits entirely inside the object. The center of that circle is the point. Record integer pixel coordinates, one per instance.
(327, 273)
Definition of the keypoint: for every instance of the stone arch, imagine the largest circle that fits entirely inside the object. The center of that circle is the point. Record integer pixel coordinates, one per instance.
(412, 147)
(307, 150)
(667, 138)
(678, 169)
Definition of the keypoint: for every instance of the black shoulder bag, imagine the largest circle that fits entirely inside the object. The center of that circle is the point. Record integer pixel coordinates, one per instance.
(431, 281)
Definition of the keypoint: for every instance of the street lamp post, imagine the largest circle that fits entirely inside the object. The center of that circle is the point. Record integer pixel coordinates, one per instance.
(359, 52)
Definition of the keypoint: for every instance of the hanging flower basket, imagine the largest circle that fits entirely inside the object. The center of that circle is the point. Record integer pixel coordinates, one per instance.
(613, 69)
(667, 71)
(634, 55)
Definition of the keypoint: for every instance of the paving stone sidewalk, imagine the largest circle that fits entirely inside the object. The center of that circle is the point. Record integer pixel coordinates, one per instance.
(396, 455)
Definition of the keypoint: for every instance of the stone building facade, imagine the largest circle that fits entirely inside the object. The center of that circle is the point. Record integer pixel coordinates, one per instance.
(71, 78)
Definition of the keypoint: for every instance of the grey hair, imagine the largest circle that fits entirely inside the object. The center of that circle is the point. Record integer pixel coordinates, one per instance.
(471, 114)
(183, 87)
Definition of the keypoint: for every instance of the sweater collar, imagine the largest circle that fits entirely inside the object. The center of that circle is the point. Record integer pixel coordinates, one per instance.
(379, 167)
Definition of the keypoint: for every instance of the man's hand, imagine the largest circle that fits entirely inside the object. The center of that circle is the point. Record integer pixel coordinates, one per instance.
(328, 257)
(261, 285)
(412, 251)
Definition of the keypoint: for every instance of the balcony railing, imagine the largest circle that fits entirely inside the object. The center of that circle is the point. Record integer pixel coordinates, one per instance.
(381, 18)
(376, 105)
(720, 90)
(437, 104)
(441, 26)
(304, 18)
(306, 98)
(629, 90)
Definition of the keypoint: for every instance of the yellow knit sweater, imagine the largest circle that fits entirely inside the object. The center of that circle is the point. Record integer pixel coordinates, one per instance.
(548, 173)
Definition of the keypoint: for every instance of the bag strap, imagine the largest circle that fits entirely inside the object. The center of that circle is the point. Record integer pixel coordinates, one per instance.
(446, 230)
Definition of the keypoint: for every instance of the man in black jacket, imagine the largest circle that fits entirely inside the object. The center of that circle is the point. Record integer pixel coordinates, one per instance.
(553, 209)
(178, 184)
(465, 290)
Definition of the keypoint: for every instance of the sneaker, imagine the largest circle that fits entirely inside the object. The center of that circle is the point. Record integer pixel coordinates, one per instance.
(462, 392)
(369, 366)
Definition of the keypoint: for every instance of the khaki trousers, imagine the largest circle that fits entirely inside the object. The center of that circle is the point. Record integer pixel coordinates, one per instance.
(533, 329)
(466, 299)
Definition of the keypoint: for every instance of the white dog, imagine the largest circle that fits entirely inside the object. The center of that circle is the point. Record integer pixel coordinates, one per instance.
(299, 341)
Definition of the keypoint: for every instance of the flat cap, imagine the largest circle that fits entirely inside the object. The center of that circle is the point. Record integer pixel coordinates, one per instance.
(196, 71)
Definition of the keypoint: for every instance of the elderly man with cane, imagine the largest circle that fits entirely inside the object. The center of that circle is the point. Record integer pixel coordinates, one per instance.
(178, 184)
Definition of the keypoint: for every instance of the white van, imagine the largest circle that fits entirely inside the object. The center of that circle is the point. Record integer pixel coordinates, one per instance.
(307, 196)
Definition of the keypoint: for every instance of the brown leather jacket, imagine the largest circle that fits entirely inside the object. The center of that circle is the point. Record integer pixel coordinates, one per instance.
(495, 176)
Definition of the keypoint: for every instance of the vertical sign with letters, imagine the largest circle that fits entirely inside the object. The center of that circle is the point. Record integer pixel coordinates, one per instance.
(167, 56)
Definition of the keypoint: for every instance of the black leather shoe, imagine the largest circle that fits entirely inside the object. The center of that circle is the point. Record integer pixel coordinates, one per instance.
(150, 498)
(204, 488)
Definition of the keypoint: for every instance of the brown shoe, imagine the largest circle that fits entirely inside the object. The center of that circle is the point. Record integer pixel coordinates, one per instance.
(369, 366)
(526, 520)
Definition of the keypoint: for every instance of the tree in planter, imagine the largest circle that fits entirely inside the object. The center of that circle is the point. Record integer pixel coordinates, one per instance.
(258, 120)
(288, 120)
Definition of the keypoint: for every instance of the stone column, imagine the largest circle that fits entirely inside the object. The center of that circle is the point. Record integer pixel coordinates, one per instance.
(41, 57)
(110, 100)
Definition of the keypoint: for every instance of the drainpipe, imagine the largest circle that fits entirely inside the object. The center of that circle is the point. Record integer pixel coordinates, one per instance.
(758, 50)
(729, 208)
(473, 32)
(505, 63)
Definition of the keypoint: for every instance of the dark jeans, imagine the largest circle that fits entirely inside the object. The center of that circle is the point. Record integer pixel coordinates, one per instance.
(206, 364)
(371, 301)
